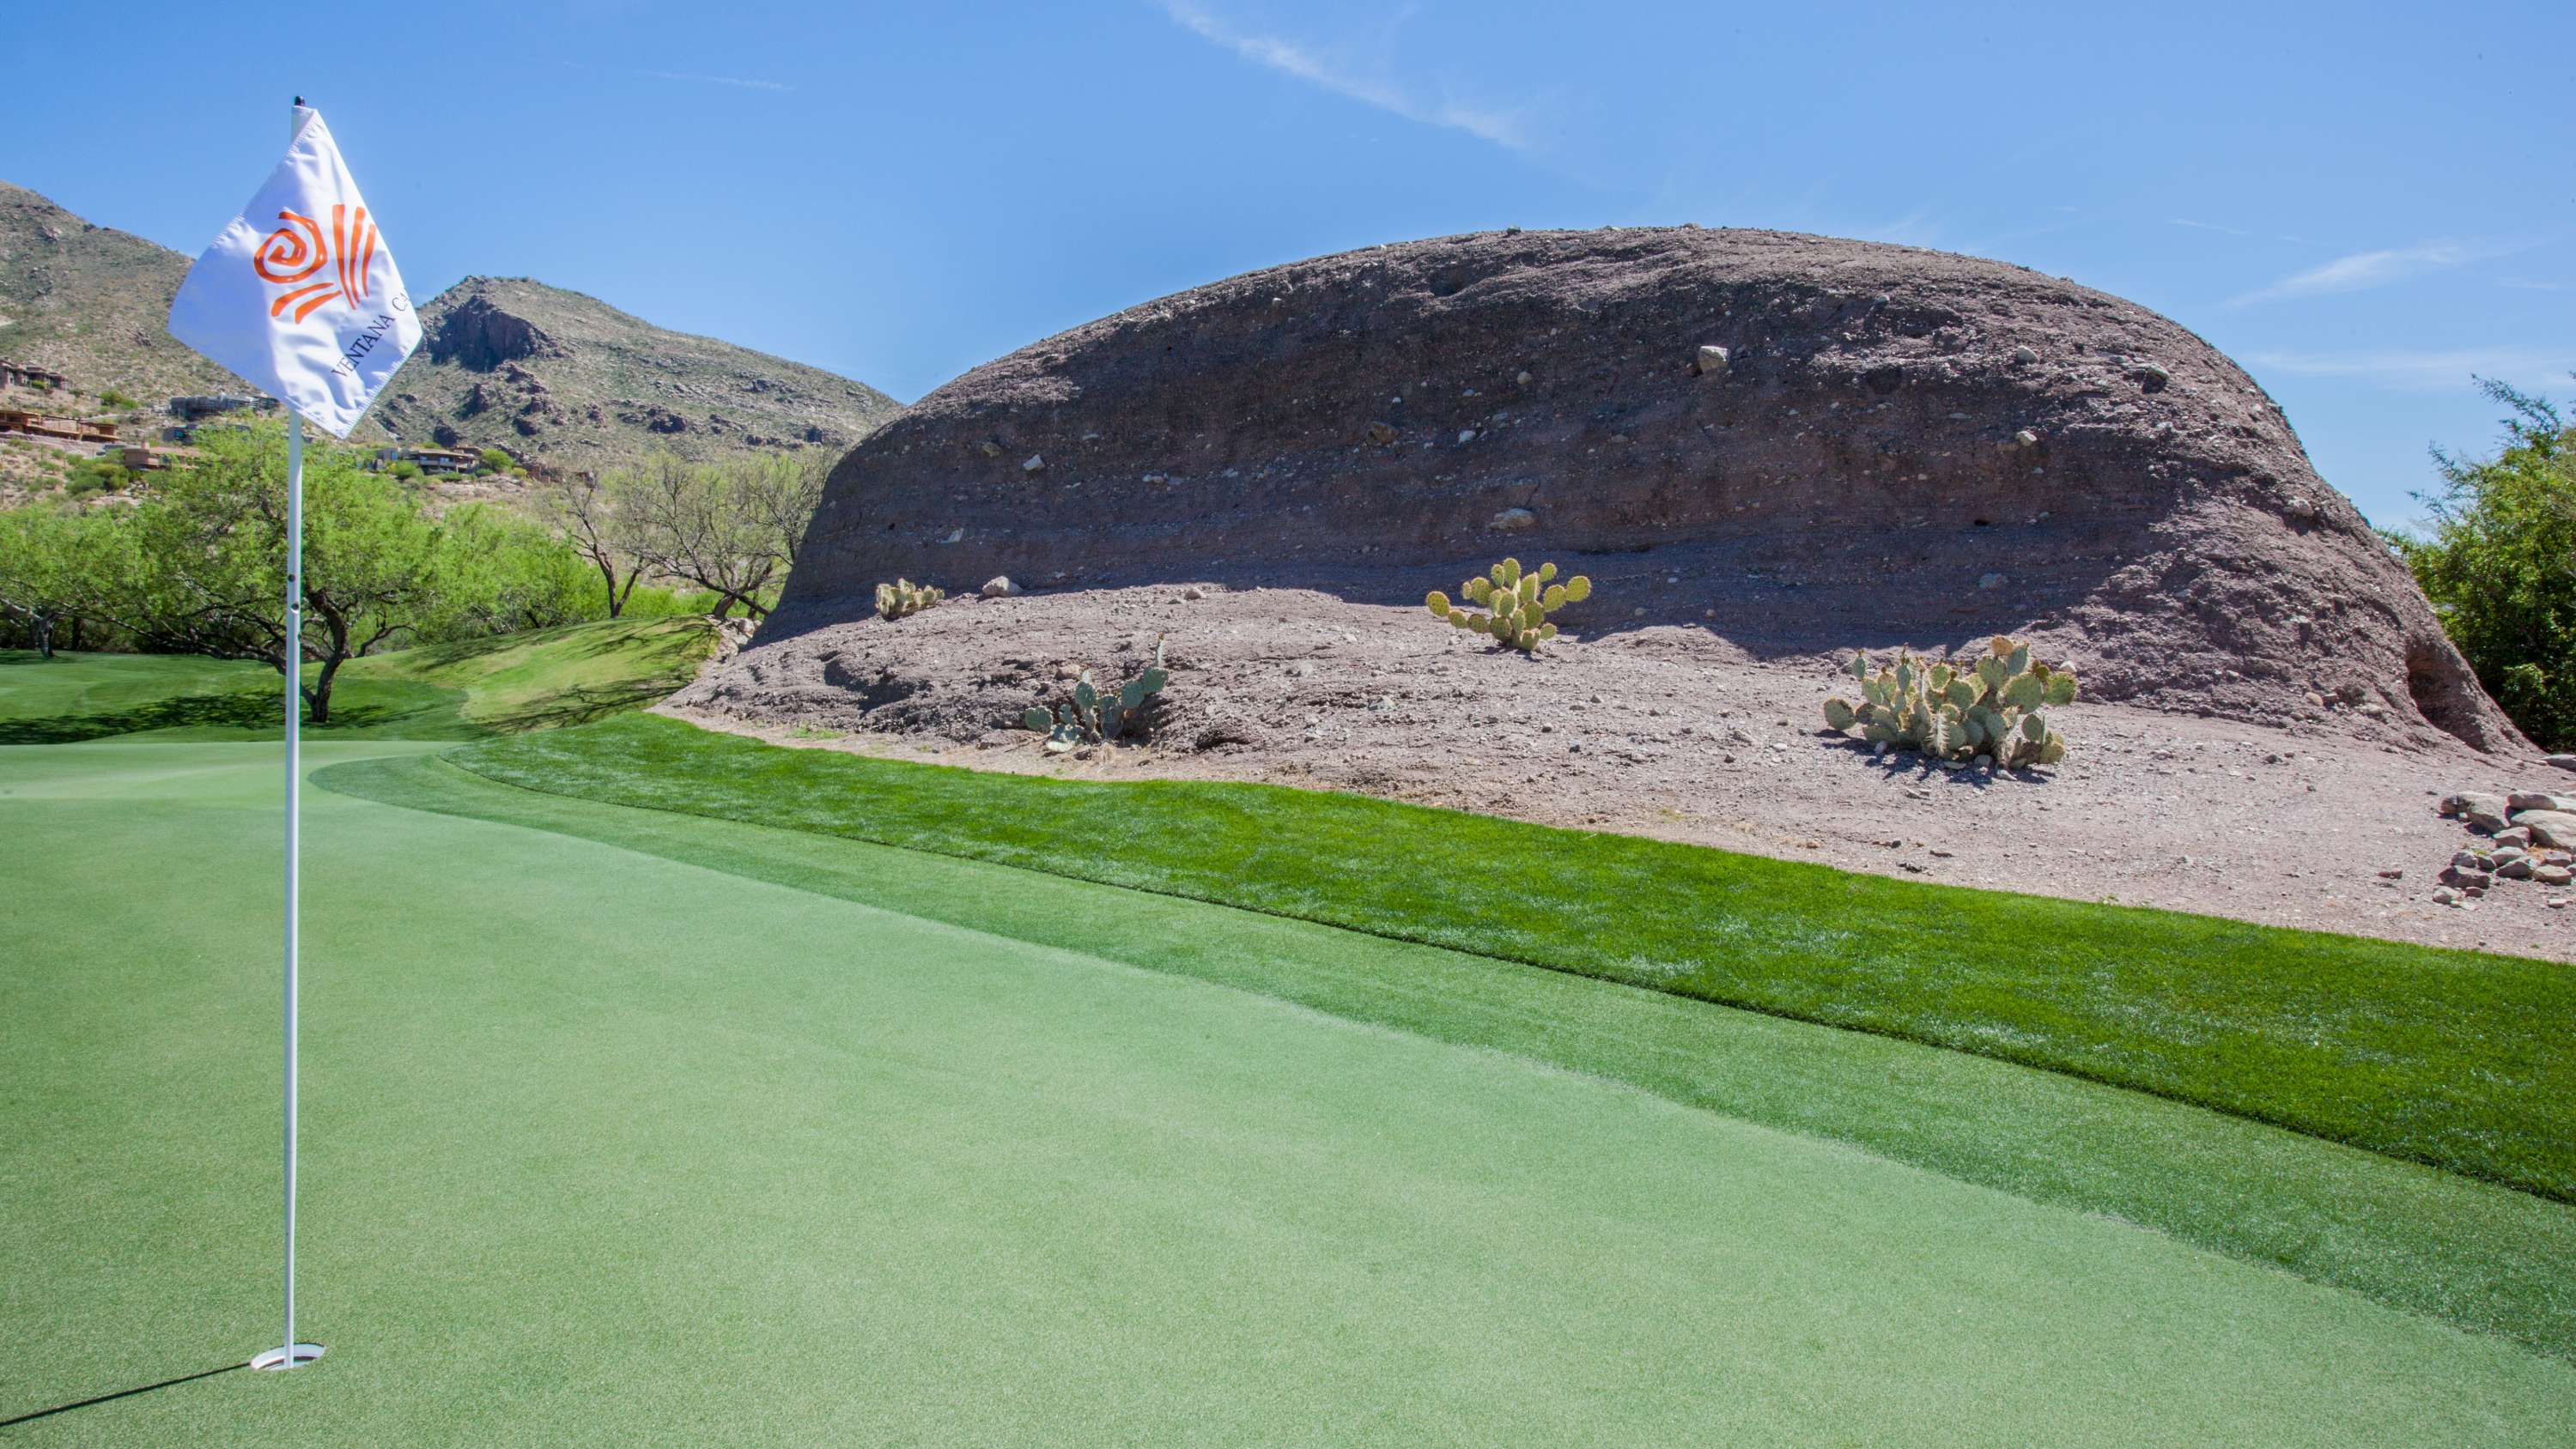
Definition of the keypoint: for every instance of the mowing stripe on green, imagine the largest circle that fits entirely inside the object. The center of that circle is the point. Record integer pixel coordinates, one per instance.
(603, 1147)
(2454, 1058)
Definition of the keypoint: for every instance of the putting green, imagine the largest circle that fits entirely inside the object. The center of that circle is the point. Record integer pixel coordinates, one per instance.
(606, 1147)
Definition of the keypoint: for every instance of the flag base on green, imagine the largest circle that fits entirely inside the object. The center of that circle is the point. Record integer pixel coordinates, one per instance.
(287, 1358)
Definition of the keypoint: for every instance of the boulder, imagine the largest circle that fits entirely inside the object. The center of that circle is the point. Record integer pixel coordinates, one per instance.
(2556, 828)
(1871, 424)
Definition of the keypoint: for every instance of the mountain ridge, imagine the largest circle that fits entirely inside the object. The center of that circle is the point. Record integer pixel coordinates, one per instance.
(555, 377)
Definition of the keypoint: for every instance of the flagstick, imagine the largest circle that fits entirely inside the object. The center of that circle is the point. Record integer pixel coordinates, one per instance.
(292, 1353)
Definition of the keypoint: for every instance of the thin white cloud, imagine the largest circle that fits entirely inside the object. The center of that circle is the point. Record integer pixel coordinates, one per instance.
(2402, 370)
(1367, 81)
(2364, 270)
(748, 83)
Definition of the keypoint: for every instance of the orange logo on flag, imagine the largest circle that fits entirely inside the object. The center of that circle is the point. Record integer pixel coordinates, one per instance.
(298, 249)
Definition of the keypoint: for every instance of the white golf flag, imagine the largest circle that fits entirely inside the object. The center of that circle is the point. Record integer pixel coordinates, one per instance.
(299, 294)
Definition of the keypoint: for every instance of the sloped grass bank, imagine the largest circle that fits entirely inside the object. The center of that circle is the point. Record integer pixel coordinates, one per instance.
(2454, 1059)
(461, 691)
(2476, 1255)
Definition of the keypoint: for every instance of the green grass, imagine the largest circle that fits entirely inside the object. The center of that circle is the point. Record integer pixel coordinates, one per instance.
(444, 691)
(606, 1147)
(2455, 1059)
(2474, 1254)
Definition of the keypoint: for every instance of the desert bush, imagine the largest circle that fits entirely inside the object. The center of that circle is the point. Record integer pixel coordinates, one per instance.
(2500, 565)
(1519, 603)
(1960, 709)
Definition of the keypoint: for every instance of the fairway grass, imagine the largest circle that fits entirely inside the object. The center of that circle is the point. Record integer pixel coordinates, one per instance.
(457, 691)
(604, 1146)
(2455, 1059)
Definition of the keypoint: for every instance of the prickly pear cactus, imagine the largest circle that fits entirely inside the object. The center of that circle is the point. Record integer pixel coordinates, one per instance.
(1093, 714)
(1960, 709)
(1517, 604)
(903, 596)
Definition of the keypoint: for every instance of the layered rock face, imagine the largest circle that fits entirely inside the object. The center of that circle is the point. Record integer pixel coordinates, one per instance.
(1799, 444)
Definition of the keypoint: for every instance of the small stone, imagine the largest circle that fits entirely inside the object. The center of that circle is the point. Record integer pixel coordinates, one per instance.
(2392, 875)
(2025, 439)
(1992, 581)
(2490, 821)
(1193, 594)
(1710, 362)
(1512, 520)
(2468, 800)
(1301, 669)
(2151, 377)
(2516, 836)
(2564, 762)
(2444, 895)
(957, 535)
(2474, 892)
(1381, 433)
(2469, 860)
(2538, 800)
(2300, 508)
(1036, 463)
(2552, 874)
(2459, 876)
(2024, 357)
(989, 448)
(1466, 435)
(2518, 868)
(1522, 380)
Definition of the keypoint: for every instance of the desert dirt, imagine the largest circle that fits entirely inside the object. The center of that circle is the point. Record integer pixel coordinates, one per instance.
(1668, 730)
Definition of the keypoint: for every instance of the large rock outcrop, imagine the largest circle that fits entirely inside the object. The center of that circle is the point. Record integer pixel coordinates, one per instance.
(1894, 446)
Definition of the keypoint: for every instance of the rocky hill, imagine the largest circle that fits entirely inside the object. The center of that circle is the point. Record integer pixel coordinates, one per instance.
(91, 303)
(1784, 446)
(553, 376)
(570, 381)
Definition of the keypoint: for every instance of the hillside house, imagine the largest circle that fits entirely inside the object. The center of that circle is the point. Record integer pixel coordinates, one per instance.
(56, 429)
(190, 409)
(428, 460)
(19, 374)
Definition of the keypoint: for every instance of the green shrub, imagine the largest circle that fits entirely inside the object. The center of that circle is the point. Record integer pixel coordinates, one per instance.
(115, 399)
(403, 468)
(493, 460)
(2500, 565)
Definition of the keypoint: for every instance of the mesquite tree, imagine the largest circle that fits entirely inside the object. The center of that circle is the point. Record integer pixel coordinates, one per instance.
(731, 528)
(198, 565)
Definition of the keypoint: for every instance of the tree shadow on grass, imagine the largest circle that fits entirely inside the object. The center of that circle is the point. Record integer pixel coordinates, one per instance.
(418, 710)
(187, 711)
(118, 1394)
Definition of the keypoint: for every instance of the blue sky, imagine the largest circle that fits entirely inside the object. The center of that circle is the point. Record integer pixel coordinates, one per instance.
(2364, 204)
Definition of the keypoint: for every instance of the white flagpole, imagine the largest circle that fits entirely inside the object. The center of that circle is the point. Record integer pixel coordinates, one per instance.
(292, 1353)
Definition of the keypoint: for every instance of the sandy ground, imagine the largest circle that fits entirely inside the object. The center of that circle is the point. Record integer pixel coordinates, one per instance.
(1668, 732)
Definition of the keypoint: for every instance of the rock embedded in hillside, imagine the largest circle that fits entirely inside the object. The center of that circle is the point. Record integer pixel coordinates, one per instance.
(1845, 481)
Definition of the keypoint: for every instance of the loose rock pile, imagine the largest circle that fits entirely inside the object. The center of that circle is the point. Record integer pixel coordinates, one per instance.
(2528, 835)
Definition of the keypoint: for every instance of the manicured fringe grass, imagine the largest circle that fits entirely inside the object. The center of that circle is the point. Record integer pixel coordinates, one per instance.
(2452, 1058)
